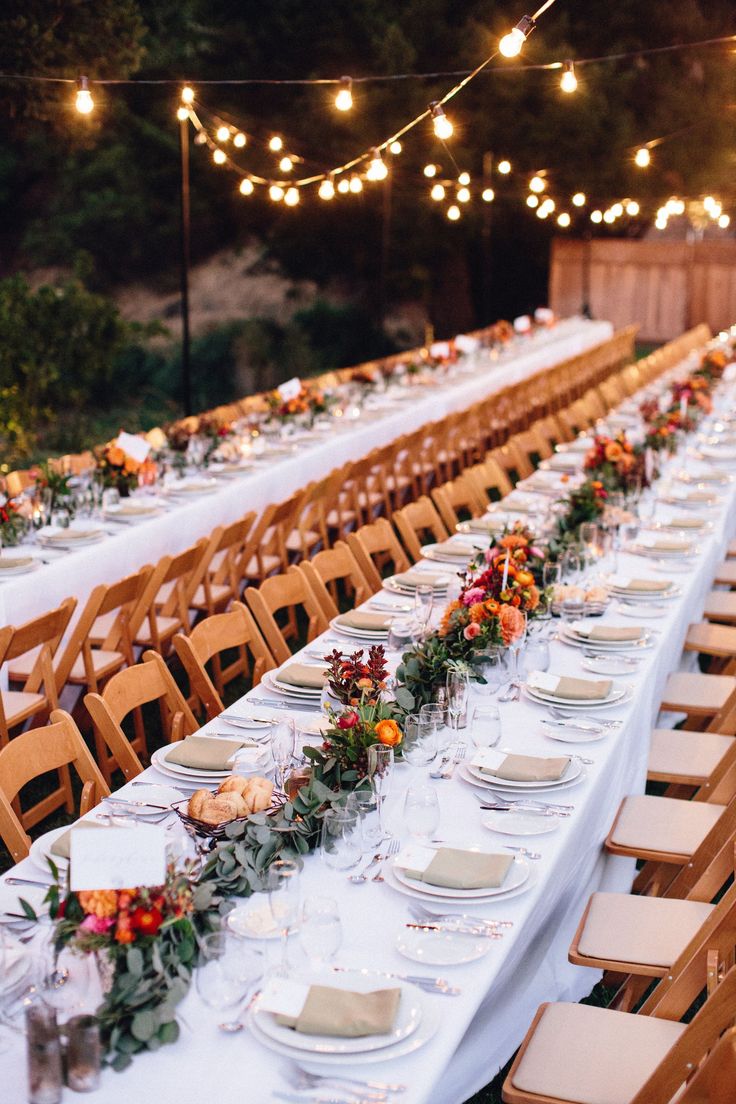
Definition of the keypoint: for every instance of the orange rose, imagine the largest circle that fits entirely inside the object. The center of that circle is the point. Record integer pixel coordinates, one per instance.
(533, 600)
(478, 613)
(512, 541)
(512, 623)
(389, 733)
(115, 456)
(524, 578)
(614, 452)
(99, 902)
(492, 606)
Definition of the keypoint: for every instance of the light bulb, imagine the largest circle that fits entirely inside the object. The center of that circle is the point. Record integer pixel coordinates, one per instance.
(246, 186)
(275, 143)
(596, 216)
(84, 102)
(642, 157)
(182, 113)
(681, 207)
(395, 148)
(344, 97)
(568, 80)
(276, 193)
(453, 213)
(549, 204)
(200, 138)
(511, 43)
(488, 195)
(578, 200)
(223, 134)
(715, 211)
(632, 208)
(291, 198)
(438, 192)
(724, 221)
(464, 179)
(430, 171)
(463, 195)
(618, 210)
(443, 128)
(709, 203)
(608, 216)
(563, 220)
(660, 223)
(543, 212)
(536, 184)
(343, 185)
(187, 94)
(286, 164)
(239, 139)
(326, 190)
(504, 167)
(662, 213)
(532, 201)
(377, 168)
(219, 156)
(356, 185)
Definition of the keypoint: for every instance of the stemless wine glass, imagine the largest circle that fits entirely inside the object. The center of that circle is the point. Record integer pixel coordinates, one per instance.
(400, 634)
(572, 565)
(320, 931)
(421, 812)
(423, 603)
(551, 574)
(485, 726)
(380, 771)
(341, 844)
(419, 745)
(218, 984)
(535, 656)
(366, 803)
(457, 696)
(284, 891)
(283, 739)
(590, 540)
(110, 499)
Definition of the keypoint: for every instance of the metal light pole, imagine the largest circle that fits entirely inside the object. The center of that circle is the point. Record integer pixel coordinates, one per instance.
(487, 295)
(186, 370)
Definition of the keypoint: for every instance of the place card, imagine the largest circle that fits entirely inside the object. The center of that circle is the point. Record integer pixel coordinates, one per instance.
(136, 447)
(290, 389)
(488, 759)
(118, 857)
(283, 996)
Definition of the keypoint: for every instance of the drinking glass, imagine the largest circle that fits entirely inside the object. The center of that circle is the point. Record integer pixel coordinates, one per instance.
(284, 892)
(320, 931)
(366, 803)
(110, 498)
(419, 745)
(590, 540)
(423, 602)
(571, 609)
(380, 770)
(283, 738)
(457, 696)
(421, 812)
(572, 564)
(436, 713)
(400, 634)
(535, 656)
(485, 726)
(341, 844)
(551, 574)
(59, 518)
(493, 668)
(219, 983)
(516, 645)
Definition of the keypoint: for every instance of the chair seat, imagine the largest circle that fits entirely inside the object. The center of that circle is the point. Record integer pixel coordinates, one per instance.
(648, 931)
(725, 573)
(21, 667)
(19, 705)
(714, 640)
(691, 756)
(218, 593)
(102, 627)
(104, 663)
(697, 694)
(297, 541)
(591, 1055)
(720, 605)
(166, 626)
(664, 824)
(270, 563)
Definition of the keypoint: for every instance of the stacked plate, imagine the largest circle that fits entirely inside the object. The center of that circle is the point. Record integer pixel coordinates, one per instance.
(200, 778)
(452, 552)
(695, 500)
(572, 774)
(416, 1023)
(16, 562)
(192, 487)
(297, 694)
(616, 696)
(70, 538)
(131, 510)
(575, 635)
(662, 548)
(724, 454)
(517, 880)
(371, 636)
(642, 594)
(394, 584)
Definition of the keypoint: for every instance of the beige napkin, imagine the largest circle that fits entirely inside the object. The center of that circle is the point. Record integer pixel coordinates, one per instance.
(670, 546)
(453, 868)
(456, 549)
(67, 535)
(205, 753)
(9, 562)
(340, 1012)
(421, 578)
(529, 768)
(373, 622)
(582, 689)
(62, 844)
(301, 674)
(611, 632)
(485, 525)
(685, 523)
(700, 496)
(135, 508)
(647, 584)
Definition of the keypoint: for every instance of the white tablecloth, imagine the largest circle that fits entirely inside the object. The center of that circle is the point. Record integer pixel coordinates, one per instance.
(78, 572)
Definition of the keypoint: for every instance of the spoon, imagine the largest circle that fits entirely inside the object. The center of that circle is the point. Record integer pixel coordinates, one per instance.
(232, 1027)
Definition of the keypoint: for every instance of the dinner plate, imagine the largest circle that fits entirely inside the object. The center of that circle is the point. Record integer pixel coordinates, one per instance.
(21, 569)
(661, 553)
(289, 688)
(293, 694)
(641, 609)
(518, 794)
(518, 873)
(65, 538)
(398, 588)
(176, 770)
(576, 706)
(198, 487)
(574, 735)
(571, 637)
(431, 552)
(546, 698)
(520, 824)
(359, 634)
(441, 948)
(608, 665)
(446, 904)
(411, 1008)
(40, 851)
(156, 794)
(249, 723)
(572, 770)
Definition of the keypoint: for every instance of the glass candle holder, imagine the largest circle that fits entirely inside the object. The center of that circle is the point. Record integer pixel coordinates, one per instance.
(83, 1054)
(44, 1055)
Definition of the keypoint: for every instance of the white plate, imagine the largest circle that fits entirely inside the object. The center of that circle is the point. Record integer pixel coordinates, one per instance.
(571, 637)
(609, 665)
(368, 635)
(517, 793)
(243, 722)
(517, 874)
(293, 695)
(397, 588)
(298, 691)
(520, 824)
(409, 1016)
(255, 919)
(441, 948)
(641, 609)
(580, 706)
(176, 770)
(65, 538)
(615, 695)
(40, 851)
(21, 569)
(204, 486)
(157, 795)
(572, 770)
(444, 904)
(574, 735)
(430, 553)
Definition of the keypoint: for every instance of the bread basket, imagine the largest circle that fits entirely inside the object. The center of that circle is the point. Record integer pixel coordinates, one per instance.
(217, 831)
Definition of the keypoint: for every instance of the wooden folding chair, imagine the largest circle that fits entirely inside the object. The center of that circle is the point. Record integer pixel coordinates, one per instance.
(128, 690)
(325, 570)
(715, 1078)
(266, 550)
(219, 577)
(39, 694)
(168, 613)
(374, 547)
(720, 606)
(36, 752)
(490, 480)
(222, 632)
(523, 452)
(458, 500)
(417, 523)
(284, 593)
(702, 697)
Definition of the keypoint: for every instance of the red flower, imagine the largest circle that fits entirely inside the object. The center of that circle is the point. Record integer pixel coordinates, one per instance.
(348, 720)
(146, 921)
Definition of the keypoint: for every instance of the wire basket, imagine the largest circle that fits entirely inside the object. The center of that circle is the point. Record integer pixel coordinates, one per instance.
(217, 831)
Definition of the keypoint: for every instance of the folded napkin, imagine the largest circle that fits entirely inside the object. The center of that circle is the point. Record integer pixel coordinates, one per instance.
(608, 632)
(456, 549)
(371, 622)
(340, 1012)
(700, 496)
(453, 868)
(7, 563)
(667, 545)
(132, 508)
(684, 523)
(205, 753)
(485, 525)
(67, 535)
(515, 505)
(561, 461)
(301, 674)
(520, 768)
(646, 585)
(564, 686)
(421, 578)
(62, 844)
(712, 476)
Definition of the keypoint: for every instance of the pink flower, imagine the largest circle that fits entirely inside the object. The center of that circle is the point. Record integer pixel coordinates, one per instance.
(534, 551)
(489, 554)
(471, 631)
(473, 595)
(348, 720)
(98, 925)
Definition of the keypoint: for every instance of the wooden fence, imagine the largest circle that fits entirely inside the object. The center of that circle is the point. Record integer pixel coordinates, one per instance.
(666, 287)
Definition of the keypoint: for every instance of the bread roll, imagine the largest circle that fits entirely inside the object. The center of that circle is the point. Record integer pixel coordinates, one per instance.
(257, 794)
(197, 802)
(222, 808)
(234, 784)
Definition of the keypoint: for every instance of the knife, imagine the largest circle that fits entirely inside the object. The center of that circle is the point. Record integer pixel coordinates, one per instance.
(580, 726)
(483, 933)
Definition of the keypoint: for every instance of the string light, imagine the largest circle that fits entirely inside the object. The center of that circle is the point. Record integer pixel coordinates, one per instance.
(464, 179)
(568, 80)
(675, 206)
(618, 210)
(286, 164)
(395, 148)
(504, 167)
(543, 212)
(344, 97)
(453, 213)
(84, 102)
(536, 184)
(182, 113)
(377, 169)
(343, 185)
(275, 143)
(276, 193)
(356, 184)
(239, 140)
(578, 200)
(596, 216)
(223, 134)
(291, 197)
(709, 203)
(430, 171)
(488, 195)
(563, 220)
(723, 221)
(608, 216)
(246, 186)
(661, 222)
(219, 156)
(532, 201)
(438, 192)
(443, 128)
(463, 195)
(549, 204)
(511, 44)
(632, 208)
(327, 189)
(187, 94)
(642, 157)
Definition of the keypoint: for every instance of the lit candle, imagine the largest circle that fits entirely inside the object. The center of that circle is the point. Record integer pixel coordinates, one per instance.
(683, 406)
(506, 570)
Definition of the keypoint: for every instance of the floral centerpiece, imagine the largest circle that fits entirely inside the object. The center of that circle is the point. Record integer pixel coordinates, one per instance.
(584, 503)
(714, 363)
(616, 463)
(663, 429)
(306, 405)
(693, 394)
(54, 486)
(117, 468)
(14, 520)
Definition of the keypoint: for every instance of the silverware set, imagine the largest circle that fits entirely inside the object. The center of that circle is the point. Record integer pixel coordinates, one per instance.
(376, 863)
(511, 693)
(448, 762)
(419, 912)
(358, 1092)
(541, 808)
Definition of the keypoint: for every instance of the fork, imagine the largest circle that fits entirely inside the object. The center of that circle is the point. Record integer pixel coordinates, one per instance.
(359, 879)
(562, 715)
(511, 693)
(303, 1081)
(376, 1086)
(533, 855)
(449, 769)
(419, 912)
(391, 849)
(437, 772)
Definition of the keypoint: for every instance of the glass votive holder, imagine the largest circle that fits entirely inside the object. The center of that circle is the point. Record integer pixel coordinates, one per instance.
(83, 1053)
(43, 1046)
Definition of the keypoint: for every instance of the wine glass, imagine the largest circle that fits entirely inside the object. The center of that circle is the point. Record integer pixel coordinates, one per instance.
(590, 540)
(421, 812)
(283, 739)
(485, 726)
(284, 891)
(457, 696)
(366, 803)
(110, 499)
(516, 644)
(380, 770)
(423, 603)
(572, 564)
(320, 931)
(341, 844)
(400, 634)
(419, 745)
(219, 984)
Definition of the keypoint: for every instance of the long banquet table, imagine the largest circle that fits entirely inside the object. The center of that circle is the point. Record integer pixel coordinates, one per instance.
(480, 1028)
(127, 548)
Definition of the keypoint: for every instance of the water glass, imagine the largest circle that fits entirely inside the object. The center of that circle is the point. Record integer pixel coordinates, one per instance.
(283, 739)
(320, 932)
(419, 745)
(380, 770)
(494, 669)
(572, 564)
(284, 894)
(421, 812)
(110, 499)
(366, 804)
(423, 602)
(485, 726)
(457, 696)
(535, 656)
(551, 574)
(571, 609)
(341, 843)
(400, 634)
(218, 985)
